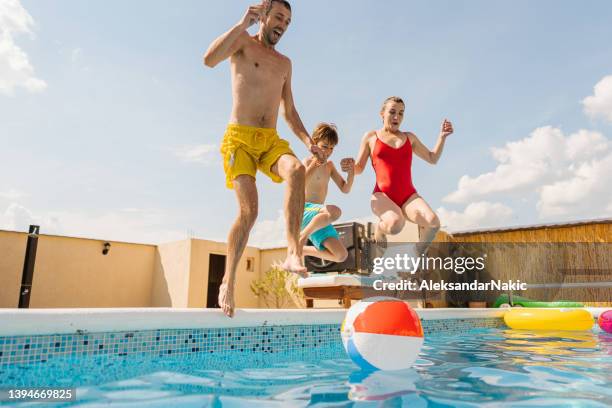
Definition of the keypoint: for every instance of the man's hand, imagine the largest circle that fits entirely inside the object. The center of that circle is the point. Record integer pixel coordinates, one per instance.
(317, 152)
(446, 129)
(252, 15)
(348, 165)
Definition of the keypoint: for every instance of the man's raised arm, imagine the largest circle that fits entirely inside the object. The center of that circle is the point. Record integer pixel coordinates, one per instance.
(230, 42)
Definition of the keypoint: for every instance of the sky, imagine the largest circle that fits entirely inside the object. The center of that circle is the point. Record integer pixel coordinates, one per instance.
(110, 124)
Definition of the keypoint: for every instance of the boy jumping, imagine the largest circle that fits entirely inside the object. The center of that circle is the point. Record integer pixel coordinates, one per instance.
(317, 219)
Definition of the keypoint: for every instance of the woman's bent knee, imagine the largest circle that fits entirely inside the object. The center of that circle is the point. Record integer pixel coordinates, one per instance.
(394, 225)
(432, 220)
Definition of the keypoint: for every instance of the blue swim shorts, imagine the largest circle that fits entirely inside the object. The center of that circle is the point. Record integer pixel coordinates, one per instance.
(318, 237)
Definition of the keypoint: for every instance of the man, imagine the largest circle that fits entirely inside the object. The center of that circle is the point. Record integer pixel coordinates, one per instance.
(261, 82)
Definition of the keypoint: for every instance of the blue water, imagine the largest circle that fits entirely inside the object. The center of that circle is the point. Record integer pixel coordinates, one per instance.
(482, 367)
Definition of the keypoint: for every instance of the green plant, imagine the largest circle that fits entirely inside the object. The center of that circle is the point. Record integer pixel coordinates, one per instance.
(277, 288)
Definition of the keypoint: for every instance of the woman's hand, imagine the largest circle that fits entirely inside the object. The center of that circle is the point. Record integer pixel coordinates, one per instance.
(446, 129)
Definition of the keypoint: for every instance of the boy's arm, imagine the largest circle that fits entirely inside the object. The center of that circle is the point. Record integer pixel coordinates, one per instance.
(231, 41)
(348, 165)
(423, 152)
(293, 118)
(364, 153)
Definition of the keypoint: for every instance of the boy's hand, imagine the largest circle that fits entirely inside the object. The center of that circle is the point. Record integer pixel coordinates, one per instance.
(348, 165)
(317, 152)
(252, 15)
(446, 129)
(313, 162)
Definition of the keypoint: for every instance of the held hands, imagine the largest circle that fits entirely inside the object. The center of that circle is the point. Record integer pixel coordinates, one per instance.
(446, 129)
(252, 15)
(317, 152)
(348, 165)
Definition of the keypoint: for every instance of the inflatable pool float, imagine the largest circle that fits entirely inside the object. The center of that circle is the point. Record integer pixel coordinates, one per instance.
(504, 301)
(605, 321)
(549, 319)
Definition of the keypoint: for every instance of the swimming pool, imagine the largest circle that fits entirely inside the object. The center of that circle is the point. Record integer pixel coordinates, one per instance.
(465, 361)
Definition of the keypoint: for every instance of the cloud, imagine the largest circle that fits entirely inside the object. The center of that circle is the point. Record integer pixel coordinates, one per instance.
(481, 214)
(544, 157)
(269, 233)
(600, 103)
(12, 195)
(567, 172)
(16, 217)
(587, 190)
(148, 226)
(206, 154)
(15, 68)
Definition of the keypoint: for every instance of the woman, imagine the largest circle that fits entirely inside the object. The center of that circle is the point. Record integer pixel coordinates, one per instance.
(394, 199)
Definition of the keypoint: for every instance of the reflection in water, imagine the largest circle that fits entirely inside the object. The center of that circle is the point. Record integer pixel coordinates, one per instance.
(381, 385)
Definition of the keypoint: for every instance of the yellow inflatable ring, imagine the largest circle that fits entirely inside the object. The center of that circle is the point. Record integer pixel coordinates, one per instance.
(549, 319)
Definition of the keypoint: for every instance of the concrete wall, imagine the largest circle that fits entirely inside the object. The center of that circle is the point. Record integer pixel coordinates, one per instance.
(12, 252)
(198, 275)
(170, 281)
(73, 272)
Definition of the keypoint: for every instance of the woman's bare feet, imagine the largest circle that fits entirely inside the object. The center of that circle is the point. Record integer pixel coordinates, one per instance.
(226, 299)
(380, 237)
(294, 264)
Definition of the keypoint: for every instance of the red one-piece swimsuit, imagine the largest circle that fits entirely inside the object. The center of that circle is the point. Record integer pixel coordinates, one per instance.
(393, 168)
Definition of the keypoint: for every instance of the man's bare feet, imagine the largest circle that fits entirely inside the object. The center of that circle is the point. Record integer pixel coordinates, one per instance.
(226, 299)
(294, 264)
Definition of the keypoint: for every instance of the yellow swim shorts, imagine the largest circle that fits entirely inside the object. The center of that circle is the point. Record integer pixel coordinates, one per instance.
(246, 149)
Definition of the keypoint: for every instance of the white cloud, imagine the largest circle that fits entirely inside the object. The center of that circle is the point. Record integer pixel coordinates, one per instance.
(481, 214)
(568, 173)
(206, 154)
(269, 233)
(147, 226)
(12, 194)
(15, 68)
(600, 103)
(16, 217)
(587, 191)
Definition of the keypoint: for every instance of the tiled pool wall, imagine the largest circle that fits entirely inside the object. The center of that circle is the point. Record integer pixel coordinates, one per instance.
(172, 342)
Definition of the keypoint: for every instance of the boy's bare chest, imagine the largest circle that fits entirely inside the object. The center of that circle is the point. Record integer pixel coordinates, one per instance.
(321, 174)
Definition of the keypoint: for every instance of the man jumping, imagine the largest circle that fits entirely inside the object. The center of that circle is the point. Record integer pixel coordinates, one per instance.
(261, 81)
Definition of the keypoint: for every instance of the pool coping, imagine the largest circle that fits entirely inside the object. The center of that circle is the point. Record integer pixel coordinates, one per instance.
(23, 322)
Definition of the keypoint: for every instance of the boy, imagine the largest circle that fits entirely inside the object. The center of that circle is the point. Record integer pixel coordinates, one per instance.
(317, 219)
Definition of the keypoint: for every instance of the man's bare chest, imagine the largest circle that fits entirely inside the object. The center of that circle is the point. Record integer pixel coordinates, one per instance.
(257, 66)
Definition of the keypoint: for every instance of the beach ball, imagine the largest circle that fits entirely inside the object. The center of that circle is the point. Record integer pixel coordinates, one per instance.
(382, 333)
(605, 321)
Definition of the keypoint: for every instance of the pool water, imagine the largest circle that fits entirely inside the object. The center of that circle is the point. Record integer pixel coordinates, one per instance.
(480, 367)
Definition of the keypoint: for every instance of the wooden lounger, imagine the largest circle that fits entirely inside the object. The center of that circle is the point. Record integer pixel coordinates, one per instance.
(344, 287)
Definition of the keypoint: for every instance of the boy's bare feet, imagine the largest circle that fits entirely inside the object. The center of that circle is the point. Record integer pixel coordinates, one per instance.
(303, 240)
(294, 264)
(226, 299)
